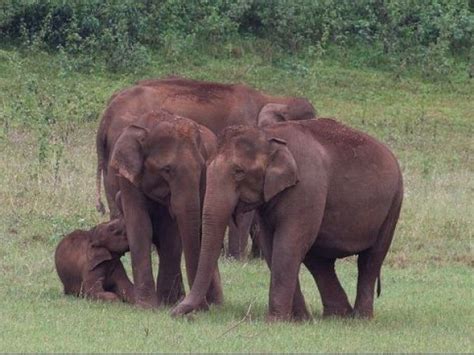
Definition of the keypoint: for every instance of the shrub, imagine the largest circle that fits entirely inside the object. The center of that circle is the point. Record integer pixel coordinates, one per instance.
(403, 32)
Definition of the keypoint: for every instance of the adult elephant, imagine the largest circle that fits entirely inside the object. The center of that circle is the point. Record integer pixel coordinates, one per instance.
(157, 162)
(218, 106)
(322, 190)
(213, 105)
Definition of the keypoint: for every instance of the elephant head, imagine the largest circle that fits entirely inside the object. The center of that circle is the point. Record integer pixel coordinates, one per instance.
(250, 169)
(286, 109)
(164, 156)
(107, 238)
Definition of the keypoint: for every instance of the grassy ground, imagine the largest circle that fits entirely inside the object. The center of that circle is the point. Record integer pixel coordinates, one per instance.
(49, 116)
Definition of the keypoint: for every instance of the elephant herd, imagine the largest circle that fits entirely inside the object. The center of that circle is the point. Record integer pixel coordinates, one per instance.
(181, 160)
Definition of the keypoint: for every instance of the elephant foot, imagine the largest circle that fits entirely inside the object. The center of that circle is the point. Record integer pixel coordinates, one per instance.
(300, 312)
(363, 313)
(187, 306)
(183, 308)
(273, 318)
(106, 296)
(301, 316)
(170, 290)
(345, 311)
(148, 303)
(127, 296)
(171, 298)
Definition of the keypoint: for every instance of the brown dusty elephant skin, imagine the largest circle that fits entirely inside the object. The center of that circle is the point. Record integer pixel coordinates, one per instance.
(88, 263)
(213, 105)
(322, 190)
(158, 161)
(218, 106)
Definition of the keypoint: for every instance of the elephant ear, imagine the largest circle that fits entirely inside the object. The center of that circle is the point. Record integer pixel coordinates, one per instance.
(301, 109)
(272, 113)
(281, 172)
(127, 156)
(97, 255)
(207, 142)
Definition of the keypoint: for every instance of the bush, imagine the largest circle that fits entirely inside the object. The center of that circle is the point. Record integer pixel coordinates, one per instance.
(404, 32)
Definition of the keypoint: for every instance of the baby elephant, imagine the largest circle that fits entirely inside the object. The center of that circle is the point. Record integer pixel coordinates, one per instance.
(88, 263)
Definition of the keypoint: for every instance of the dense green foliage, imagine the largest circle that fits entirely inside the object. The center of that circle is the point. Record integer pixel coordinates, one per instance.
(121, 33)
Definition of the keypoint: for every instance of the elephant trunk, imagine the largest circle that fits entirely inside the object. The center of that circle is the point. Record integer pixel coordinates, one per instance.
(187, 210)
(219, 203)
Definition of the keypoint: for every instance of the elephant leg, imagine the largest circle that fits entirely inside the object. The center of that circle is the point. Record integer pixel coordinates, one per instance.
(169, 285)
(139, 235)
(255, 228)
(93, 287)
(284, 277)
(239, 235)
(369, 263)
(105, 296)
(299, 311)
(333, 297)
(369, 269)
(122, 285)
(255, 251)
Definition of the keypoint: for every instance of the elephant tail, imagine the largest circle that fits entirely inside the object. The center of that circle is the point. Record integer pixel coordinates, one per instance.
(379, 286)
(99, 205)
(100, 145)
(388, 227)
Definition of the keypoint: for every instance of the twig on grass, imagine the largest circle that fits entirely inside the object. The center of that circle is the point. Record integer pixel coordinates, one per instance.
(238, 323)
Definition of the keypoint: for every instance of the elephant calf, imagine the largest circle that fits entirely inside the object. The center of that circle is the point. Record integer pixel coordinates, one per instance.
(88, 263)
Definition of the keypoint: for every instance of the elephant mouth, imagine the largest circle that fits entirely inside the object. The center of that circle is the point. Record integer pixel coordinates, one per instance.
(162, 198)
(243, 207)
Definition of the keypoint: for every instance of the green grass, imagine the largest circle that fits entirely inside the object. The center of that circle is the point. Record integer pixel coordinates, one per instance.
(420, 310)
(47, 166)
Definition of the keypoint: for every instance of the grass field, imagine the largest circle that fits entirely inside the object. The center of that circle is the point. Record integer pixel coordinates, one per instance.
(49, 115)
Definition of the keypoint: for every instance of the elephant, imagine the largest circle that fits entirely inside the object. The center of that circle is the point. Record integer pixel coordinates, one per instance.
(157, 162)
(88, 263)
(323, 191)
(213, 105)
(239, 230)
(218, 106)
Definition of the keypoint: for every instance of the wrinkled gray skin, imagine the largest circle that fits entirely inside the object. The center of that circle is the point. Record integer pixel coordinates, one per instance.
(322, 191)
